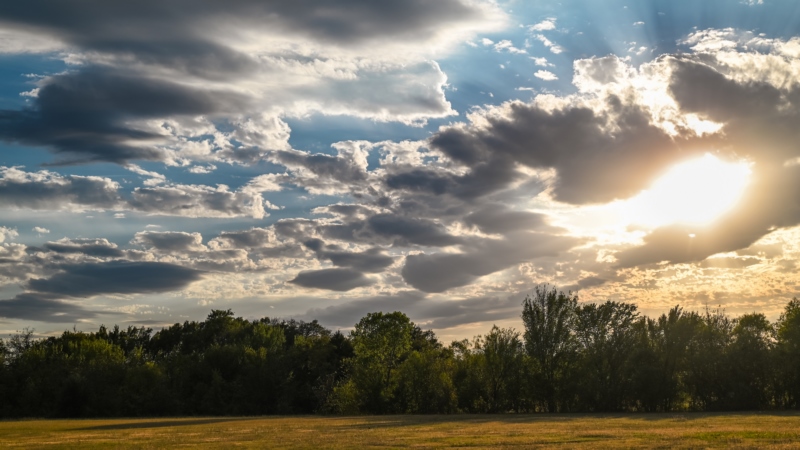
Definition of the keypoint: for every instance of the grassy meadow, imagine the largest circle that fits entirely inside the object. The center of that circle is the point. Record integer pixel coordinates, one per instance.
(687, 430)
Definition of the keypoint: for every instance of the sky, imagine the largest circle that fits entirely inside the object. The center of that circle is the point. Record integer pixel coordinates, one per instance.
(323, 160)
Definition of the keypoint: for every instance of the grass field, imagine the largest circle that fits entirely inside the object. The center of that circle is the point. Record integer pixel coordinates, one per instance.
(752, 430)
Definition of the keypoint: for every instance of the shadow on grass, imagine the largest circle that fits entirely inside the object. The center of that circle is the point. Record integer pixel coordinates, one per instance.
(163, 423)
(368, 422)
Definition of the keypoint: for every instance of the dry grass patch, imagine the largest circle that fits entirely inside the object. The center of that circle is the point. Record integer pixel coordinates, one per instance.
(753, 430)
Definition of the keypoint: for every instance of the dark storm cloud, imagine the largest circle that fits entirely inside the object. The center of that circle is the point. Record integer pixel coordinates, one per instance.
(101, 25)
(372, 260)
(484, 178)
(332, 279)
(91, 247)
(45, 190)
(129, 52)
(415, 231)
(85, 116)
(500, 219)
(115, 277)
(43, 308)
(598, 156)
(439, 272)
(387, 228)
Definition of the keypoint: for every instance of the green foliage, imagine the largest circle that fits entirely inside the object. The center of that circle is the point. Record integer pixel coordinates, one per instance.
(550, 319)
(381, 342)
(570, 357)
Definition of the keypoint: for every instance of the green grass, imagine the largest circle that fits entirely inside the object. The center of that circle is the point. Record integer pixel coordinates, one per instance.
(747, 430)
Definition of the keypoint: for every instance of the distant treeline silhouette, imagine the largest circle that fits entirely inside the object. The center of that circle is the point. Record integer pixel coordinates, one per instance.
(571, 357)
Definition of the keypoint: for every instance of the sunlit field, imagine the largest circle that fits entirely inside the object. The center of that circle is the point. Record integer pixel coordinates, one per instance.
(688, 430)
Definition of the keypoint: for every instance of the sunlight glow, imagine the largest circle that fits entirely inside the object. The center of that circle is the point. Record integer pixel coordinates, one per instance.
(693, 192)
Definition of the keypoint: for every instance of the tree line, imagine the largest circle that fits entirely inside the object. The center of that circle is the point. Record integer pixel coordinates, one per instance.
(570, 357)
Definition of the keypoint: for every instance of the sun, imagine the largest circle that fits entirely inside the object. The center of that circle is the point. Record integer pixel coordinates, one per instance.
(694, 192)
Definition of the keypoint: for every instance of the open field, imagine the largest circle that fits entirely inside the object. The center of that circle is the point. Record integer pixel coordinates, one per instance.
(747, 430)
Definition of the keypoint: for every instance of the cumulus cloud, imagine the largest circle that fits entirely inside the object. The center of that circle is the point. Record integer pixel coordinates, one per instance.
(758, 109)
(545, 25)
(169, 241)
(197, 201)
(48, 190)
(597, 153)
(7, 233)
(545, 75)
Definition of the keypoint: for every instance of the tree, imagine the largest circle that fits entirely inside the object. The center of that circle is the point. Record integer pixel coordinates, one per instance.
(549, 319)
(749, 363)
(425, 384)
(706, 380)
(502, 351)
(380, 344)
(607, 337)
(788, 353)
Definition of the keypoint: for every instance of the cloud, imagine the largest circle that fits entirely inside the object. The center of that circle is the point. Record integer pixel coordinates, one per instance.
(545, 75)
(596, 150)
(169, 241)
(252, 238)
(545, 25)
(332, 279)
(197, 201)
(51, 191)
(40, 230)
(758, 111)
(115, 277)
(100, 248)
(92, 115)
(236, 64)
(371, 260)
(541, 61)
(494, 218)
(46, 301)
(508, 46)
(434, 313)
(7, 233)
(46, 190)
(439, 272)
(319, 173)
(554, 48)
(43, 308)
(414, 231)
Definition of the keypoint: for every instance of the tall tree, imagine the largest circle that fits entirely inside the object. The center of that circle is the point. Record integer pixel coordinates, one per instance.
(549, 319)
(381, 341)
